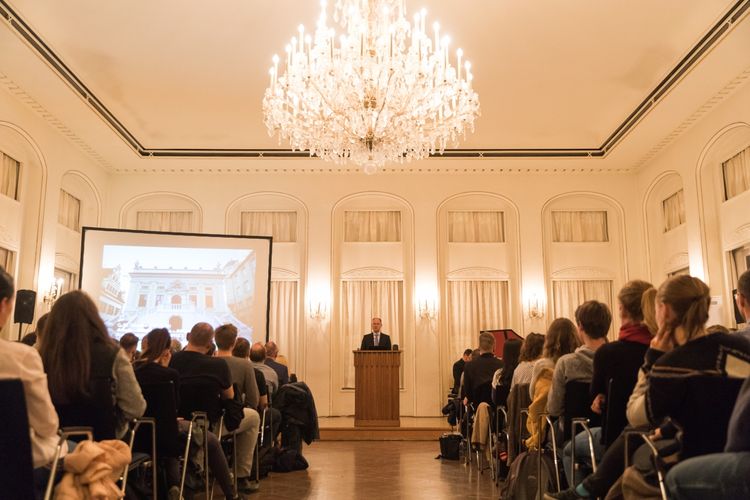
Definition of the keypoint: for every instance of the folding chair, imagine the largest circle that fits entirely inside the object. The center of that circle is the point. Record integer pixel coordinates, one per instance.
(577, 413)
(544, 421)
(139, 459)
(17, 470)
(66, 434)
(161, 406)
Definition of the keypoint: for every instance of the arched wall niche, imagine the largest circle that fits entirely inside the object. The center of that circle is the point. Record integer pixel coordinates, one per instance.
(68, 240)
(161, 201)
(584, 266)
(476, 261)
(361, 262)
(288, 272)
(23, 222)
(723, 223)
(666, 250)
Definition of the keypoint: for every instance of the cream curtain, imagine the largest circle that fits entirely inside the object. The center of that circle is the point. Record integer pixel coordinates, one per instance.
(474, 306)
(282, 226)
(569, 294)
(9, 176)
(372, 226)
(737, 173)
(674, 210)
(69, 211)
(360, 302)
(284, 319)
(476, 227)
(171, 221)
(579, 226)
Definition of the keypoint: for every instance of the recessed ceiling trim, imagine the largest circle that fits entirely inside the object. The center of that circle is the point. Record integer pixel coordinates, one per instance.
(688, 62)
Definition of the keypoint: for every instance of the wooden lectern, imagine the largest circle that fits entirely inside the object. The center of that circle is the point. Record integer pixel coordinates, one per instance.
(376, 390)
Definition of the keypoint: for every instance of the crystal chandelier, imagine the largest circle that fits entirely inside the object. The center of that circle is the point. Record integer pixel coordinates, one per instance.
(383, 91)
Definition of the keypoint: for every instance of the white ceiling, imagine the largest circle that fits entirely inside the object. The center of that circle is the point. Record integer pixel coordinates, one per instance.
(191, 74)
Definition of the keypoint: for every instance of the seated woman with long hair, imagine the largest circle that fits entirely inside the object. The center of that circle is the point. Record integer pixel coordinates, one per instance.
(79, 357)
(560, 340)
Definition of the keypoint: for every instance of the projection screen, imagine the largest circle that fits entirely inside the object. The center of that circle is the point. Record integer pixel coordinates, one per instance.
(142, 280)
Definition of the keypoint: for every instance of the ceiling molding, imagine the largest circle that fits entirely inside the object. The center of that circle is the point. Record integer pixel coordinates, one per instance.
(55, 122)
(712, 37)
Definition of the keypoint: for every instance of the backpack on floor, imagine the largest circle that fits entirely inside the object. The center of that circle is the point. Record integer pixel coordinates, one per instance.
(522, 482)
(450, 446)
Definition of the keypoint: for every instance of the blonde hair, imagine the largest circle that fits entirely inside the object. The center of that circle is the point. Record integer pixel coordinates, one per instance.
(689, 298)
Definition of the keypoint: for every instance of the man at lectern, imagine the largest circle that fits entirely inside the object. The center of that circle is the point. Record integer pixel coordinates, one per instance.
(376, 340)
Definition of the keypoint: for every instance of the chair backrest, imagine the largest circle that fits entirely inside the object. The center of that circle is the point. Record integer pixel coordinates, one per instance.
(161, 405)
(708, 401)
(17, 469)
(98, 410)
(518, 400)
(577, 404)
(614, 417)
(199, 394)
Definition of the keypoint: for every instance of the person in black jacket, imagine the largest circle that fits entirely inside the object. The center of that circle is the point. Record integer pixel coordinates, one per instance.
(478, 373)
(458, 370)
(376, 340)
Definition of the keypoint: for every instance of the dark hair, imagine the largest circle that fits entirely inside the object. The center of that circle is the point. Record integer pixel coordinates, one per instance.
(41, 323)
(225, 336)
(511, 356)
(689, 299)
(201, 335)
(468, 352)
(74, 325)
(560, 339)
(7, 288)
(128, 341)
(241, 348)
(631, 298)
(594, 318)
(257, 352)
(743, 285)
(157, 341)
(532, 347)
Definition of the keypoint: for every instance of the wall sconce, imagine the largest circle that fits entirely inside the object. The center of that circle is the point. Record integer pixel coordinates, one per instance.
(427, 309)
(53, 292)
(318, 311)
(535, 307)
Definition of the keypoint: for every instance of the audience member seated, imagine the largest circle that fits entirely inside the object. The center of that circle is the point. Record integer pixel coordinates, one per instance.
(272, 351)
(531, 351)
(258, 360)
(30, 338)
(502, 379)
(617, 362)
(176, 346)
(242, 350)
(720, 476)
(243, 378)
(153, 368)
(743, 301)
(79, 356)
(592, 320)
(193, 363)
(681, 349)
(129, 344)
(478, 373)
(458, 370)
(19, 361)
(559, 341)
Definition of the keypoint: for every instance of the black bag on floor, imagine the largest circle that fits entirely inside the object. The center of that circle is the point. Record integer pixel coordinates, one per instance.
(267, 460)
(450, 446)
(522, 482)
(290, 460)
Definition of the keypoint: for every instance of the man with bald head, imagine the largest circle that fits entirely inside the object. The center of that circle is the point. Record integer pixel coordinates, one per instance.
(376, 340)
(258, 360)
(272, 350)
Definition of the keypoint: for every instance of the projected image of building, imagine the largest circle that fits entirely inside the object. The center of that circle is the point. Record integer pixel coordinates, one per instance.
(177, 298)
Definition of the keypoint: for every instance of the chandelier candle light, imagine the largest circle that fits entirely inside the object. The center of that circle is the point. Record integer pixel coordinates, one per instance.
(384, 91)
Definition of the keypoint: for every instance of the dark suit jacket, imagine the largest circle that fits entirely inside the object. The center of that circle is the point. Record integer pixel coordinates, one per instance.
(368, 343)
(281, 370)
(478, 378)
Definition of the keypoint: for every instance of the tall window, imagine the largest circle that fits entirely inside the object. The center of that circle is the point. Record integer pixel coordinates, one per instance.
(579, 226)
(474, 306)
(7, 260)
(282, 226)
(476, 227)
(177, 221)
(372, 226)
(9, 172)
(673, 209)
(736, 172)
(69, 211)
(569, 294)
